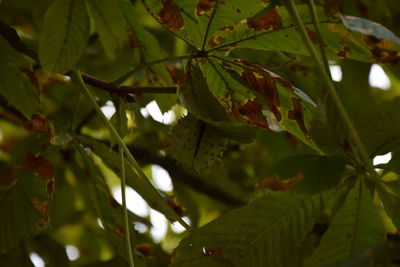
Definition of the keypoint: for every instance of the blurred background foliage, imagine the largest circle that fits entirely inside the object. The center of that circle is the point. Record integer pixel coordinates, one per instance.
(85, 216)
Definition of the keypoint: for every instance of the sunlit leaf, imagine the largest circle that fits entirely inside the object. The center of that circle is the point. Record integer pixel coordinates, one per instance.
(259, 97)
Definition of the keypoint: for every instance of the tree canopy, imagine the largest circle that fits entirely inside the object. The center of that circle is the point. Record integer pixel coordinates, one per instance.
(269, 157)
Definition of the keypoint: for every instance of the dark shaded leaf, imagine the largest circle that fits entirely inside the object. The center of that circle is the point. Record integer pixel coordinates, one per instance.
(25, 198)
(64, 35)
(258, 234)
(355, 228)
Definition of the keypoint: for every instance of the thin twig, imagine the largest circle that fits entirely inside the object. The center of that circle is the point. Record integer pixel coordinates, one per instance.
(13, 39)
(314, 16)
(125, 76)
(209, 25)
(77, 79)
(125, 90)
(123, 190)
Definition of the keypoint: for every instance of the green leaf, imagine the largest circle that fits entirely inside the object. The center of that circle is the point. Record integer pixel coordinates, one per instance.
(217, 15)
(267, 232)
(110, 25)
(355, 228)
(178, 17)
(17, 256)
(196, 144)
(150, 51)
(64, 35)
(370, 28)
(9, 56)
(25, 197)
(317, 173)
(259, 97)
(389, 193)
(18, 90)
(193, 93)
(273, 29)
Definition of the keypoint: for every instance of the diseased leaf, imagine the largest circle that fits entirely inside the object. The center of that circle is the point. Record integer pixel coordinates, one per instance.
(196, 144)
(355, 228)
(259, 97)
(216, 15)
(177, 16)
(25, 198)
(64, 35)
(18, 90)
(369, 28)
(110, 24)
(267, 232)
(273, 29)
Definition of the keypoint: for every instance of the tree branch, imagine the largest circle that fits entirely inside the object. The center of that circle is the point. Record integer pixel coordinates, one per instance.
(13, 39)
(124, 91)
(182, 176)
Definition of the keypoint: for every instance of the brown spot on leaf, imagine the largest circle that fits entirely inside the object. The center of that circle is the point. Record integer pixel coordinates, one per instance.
(331, 7)
(43, 208)
(345, 144)
(119, 231)
(349, 236)
(275, 184)
(204, 6)
(362, 8)
(132, 40)
(252, 109)
(211, 251)
(292, 140)
(344, 51)
(177, 208)
(215, 40)
(381, 50)
(266, 87)
(43, 167)
(297, 114)
(175, 73)
(38, 124)
(312, 35)
(302, 68)
(226, 28)
(170, 15)
(50, 187)
(270, 19)
(113, 203)
(145, 249)
(8, 177)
